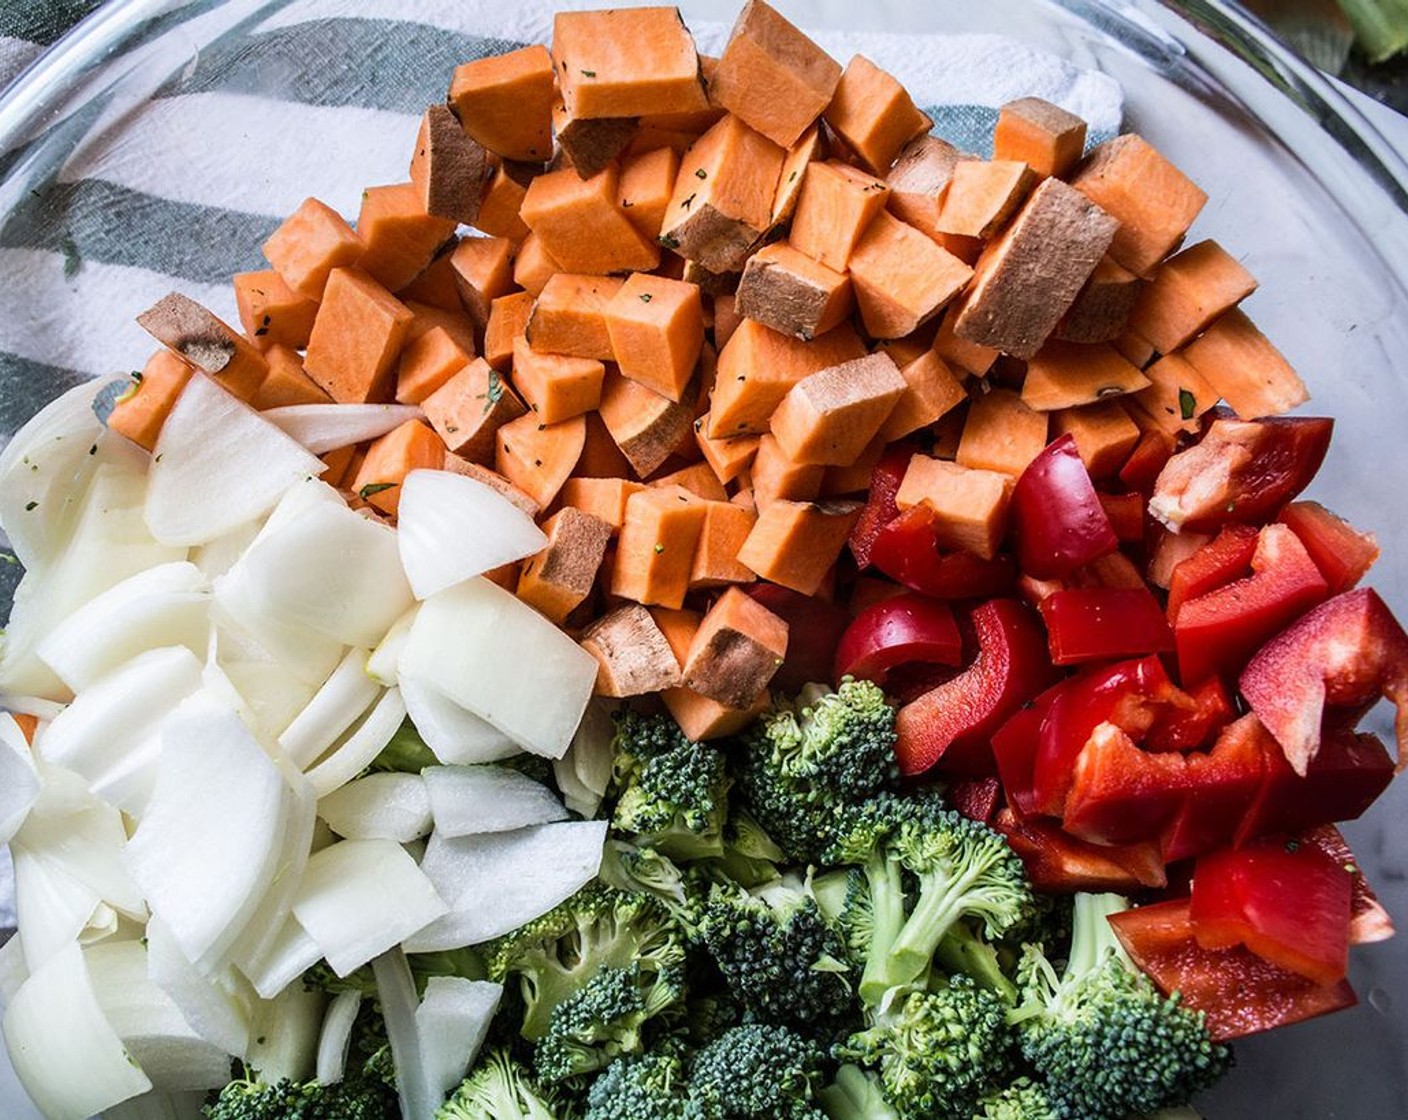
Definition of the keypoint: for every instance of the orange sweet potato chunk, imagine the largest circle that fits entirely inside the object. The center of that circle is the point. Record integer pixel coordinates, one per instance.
(483, 269)
(836, 205)
(400, 238)
(286, 383)
(1046, 137)
(390, 458)
(448, 167)
(582, 226)
(874, 114)
(969, 506)
(207, 342)
(1188, 291)
(829, 417)
(656, 328)
(726, 527)
(603, 498)
(647, 183)
(508, 319)
(633, 656)
(796, 543)
(501, 202)
(470, 408)
(774, 476)
(736, 651)
(1001, 433)
(356, 338)
(505, 102)
(556, 387)
(699, 717)
(645, 426)
(626, 62)
(427, 362)
(562, 575)
(901, 277)
(655, 552)
(569, 316)
(538, 457)
(983, 195)
(309, 244)
(271, 312)
(931, 391)
(141, 411)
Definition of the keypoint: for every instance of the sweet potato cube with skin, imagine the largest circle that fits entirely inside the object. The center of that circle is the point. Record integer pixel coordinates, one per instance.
(538, 457)
(931, 391)
(657, 329)
(581, 225)
(1028, 278)
(271, 312)
(1001, 434)
(919, 181)
(829, 417)
(774, 476)
(723, 196)
(655, 551)
(603, 498)
(508, 319)
(206, 341)
(645, 426)
(646, 186)
(726, 316)
(795, 544)
(633, 657)
(736, 651)
(726, 527)
(1152, 200)
(772, 76)
(356, 338)
(811, 147)
(556, 387)
(1067, 375)
(484, 272)
(562, 575)
(1046, 137)
(1178, 394)
(1245, 369)
(790, 292)
(390, 458)
(501, 203)
(697, 478)
(505, 102)
(141, 411)
(569, 316)
(728, 458)
(626, 62)
(493, 480)
(699, 717)
(400, 238)
(901, 277)
(983, 195)
(1104, 435)
(470, 407)
(534, 266)
(286, 383)
(1135, 347)
(1103, 307)
(448, 167)
(588, 144)
(1187, 292)
(969, 506)
(873, 114)
(836, 206)
(311, 242)
(427, 363)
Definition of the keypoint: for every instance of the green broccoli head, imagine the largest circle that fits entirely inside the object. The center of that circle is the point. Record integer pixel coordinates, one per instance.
(802, 760)
(649, 1086)
(1105, 1040)
(498, 1088)
(935, 1052)
(672, 795)
(751, 857)
(1024, 1099)
(758, 1072)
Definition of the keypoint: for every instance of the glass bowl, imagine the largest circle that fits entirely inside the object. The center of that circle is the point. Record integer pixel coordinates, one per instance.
(1302, 188)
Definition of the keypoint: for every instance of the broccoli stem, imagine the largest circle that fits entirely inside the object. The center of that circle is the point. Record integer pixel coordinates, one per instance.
(961, 950)
(940, 905)
(887, 920)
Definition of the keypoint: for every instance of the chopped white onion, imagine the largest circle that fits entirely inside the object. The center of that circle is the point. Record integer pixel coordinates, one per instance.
(52, 906)
(379, 807)
(210, 1005)
(326, 427)
(218, 464)
(285, 1035)
(497, 881)
(454, 735)
(335, 707)
(217, 557)
(14, 971)
(382, 665)
(469, 799)
(452, 1022)
(289, 954)
(270, 645)
(359, 749)
(19, 784)
(337, 1035)
(584, 772)
(396, 991)
(452, 528)
(158, 1104)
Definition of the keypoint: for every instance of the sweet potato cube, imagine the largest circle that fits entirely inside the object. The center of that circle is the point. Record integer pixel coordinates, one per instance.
(983, 195)
(722, 201)
(356, 338)
(830, 416)
(657, 329)
(697, 716)
(646, 186)
(603, 498)
(1067, 375)
(931, 391)
(901, 277)
(271, 312)
(697, 478)
(726, 527)
(400, 238)
(772, 76)
(311, 242)
(728, 458)
(456, 323)
(853, 477)
(1028, 278)
(470, 407)
(538, 457)
(873, 114)
(1001, 434)
(1245, 369)
(726, 316)
(590, 143)
(435, 285)
(1187, 292)
(796, 543)
(1178, 394)
(655, 551)
(448, 167)
(501, 203)
(141, 411)
(969, 357)
(811, 147)
(645, 426)
(1102, 308)
(1046, 137)
(919, 181)
(790, 292)
(427, 363)
(581, 225)
(1152, 200)
(836, 206)
(555, 386)
(775, 476)
(207, 342)
(968, 506)
(1104, 435)
(633, 657)
(569, 316)
(736, 651)
(562, 575)
(508, 319)
(493, 480)
(390, 458)
(534, 266)
(286, 382)
(626, 62)
(484, 272)
(505, 102)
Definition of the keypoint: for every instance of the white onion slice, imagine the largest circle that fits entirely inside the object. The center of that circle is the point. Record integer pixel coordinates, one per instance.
(285, 1034)
(14, 971)
(452, 528)
(218, 464)
(496, 882)
(383, 664)
(396, 991)
(208, 1004)
(470, 799)
(379, 807)
(336, 1037)
(52, 906)
(290, 953)
(584, 772)
(452, 1022)
(335, 707)
(326, 427)
(454, 735)
(54, 1029)
(159, 1105)
(19, 784)
(495, 655)
(359, 749)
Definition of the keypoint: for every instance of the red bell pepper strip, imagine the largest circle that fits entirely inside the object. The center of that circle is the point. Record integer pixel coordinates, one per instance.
(1126, 514)
(1057, 517)
(814, 626)
(1189, 728)
(1368, 920)
(1059, 863)
(1238, 992)
(907, 550)
(880, 508)
(1345, 654)
(975, 798)
(950, 727)
(1227, 557)
(1218, 788)
(1014, 747)
(1121, 794)
(906, 629)
(1340, 551)
(1104, 623)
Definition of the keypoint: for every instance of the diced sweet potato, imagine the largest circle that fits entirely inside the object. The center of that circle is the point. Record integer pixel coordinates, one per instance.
(538, 457)
(772, 76)
(141, 411)
(505, 102)
(773, 475)
(970, 357)
(484, 272)
(901, 277)
(556, 387)
(836, 206)
(271, 312)
(427, 363)
(728, 458)
(1187, 292)
(448, 168)
(286, 382)
(399, 237)
(811, 147)
(502, 201)
(508, 318)
(626, 62)
(656, 328)
(738, 647)
(726, 316)
(790, 292)
(1245, 369)
(1044, 136)
(655, 552)
(698, 717)
(873, 114)
(1134, 346)
(1001, 434)
(310, 243)
(1102, 308)
(357, 338)
(983, 195)
(647, 183)
(1104, 435)
(492, 479)
(920, 179)
(207, 342)
(601, 458)
(633, 657)
(562, 575)
(726, 527)
(569, 316)
(390, 458)
(968, 506)
(435, 285)
(1067, 375)
(931, 391)
(645, 426)
(853, 477)
(470, 408)
(588, 144)
(456, 324)
(796, 543)
(534, 266)
(603, 498)
(582, 226)
(698, 479)
(830, 416)
(1176, 397)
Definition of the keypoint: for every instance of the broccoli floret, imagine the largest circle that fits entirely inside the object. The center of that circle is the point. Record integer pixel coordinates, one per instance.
(964, 950)
(751, 857)
(935, 1052)
(672, 795)
(1024, 1099)
(1106, 1042)
(498, 1088)
(778, 954)
(406, 752)
(559, 953)
(603, 1020)
(757, 1072)
(650, 1086)
(802, 760)
(642, 871)
(855, 1094)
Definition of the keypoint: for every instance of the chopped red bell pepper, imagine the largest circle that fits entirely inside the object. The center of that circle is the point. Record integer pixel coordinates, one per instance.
(1218, 788)
(814, 626)
(1341, 552)
(976, 798)
(1150, 455)
(1014, 747)
(1238, 992)
(907, 550)
(1345, 654)
(1035, 591)
(1057, 517)
(904, 630)
(1168, 550)
(1189, 728)
(880, 508)
(1218, 632)
(1059, 863)
(1104, 623)
(1368, 920)
(950, 727)
(1126, 514)
(1113, 570)
(1227, 557)
(1120, 794)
